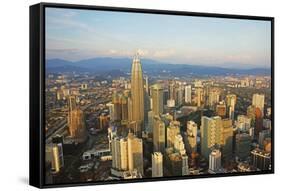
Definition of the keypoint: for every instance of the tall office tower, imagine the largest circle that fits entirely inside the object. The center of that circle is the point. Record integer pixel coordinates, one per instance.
(130, 109)
(149, 128)
(111, 134)
(221, 110)
(213, 97)
(176, 163)
(124, 107)
(119, 153)
(230, 103)
(215, 161)
(157, 164)
(258, 101)
(179, 95)
(242, 146)
(227, 139)
(243, 123)
(172, 92)
(157, 99)
(206, 92)
(120, 107)
(187, 94)
(165, 96)
(111, 111)
(147, 107)
(76, 121)
(123, 154)
(135, 153)
(191, 132)
(57, 157)
(146, 85)
(158, 134)
(185, 167)
(199, 96)
(261, 159)
(172, 130)
(116, 101)
(179, 144)
(137, 90)
(211, 134)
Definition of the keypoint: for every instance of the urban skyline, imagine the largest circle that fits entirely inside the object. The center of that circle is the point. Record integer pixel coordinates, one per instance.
(135, 124)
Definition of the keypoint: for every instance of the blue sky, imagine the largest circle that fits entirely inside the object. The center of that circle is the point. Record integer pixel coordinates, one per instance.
(74, 34)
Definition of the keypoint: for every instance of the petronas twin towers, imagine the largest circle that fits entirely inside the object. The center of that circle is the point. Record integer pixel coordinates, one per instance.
(137, 92)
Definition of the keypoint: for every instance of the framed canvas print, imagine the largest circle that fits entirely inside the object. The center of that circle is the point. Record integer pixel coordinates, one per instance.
(120, 95)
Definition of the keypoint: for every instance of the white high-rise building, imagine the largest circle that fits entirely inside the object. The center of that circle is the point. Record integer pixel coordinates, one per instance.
(172, 131)
(157, 99)
(211, 134)
(179, 95)
(231, 102)
(111, 111)
(146, 85)
(199, 96)
(258, 101)
(119, 153)
(191, 131)
(243, 123)
(127, 153)
(157, 164)
(187, 94)
(179, 144)
(215, 161)
(185, 167)
(213, 97)
(135, 153)
(158, 134)
(123, 154)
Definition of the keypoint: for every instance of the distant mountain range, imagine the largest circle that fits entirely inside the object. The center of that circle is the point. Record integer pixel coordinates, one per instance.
(123, 65)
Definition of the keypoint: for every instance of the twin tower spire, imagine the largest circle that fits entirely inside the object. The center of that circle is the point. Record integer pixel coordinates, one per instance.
(137, 93)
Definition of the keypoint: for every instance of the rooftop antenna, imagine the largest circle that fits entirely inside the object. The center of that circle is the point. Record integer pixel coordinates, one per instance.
(137, 55)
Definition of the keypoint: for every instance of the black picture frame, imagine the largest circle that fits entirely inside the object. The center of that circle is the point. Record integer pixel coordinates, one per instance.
(37, 91)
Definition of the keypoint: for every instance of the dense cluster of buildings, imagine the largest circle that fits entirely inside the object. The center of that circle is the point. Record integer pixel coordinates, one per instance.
(173, 127)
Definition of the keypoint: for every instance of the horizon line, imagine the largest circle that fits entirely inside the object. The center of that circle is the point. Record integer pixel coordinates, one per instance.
(247, 67)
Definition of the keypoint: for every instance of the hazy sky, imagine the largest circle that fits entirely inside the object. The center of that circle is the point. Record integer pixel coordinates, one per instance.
(74, 34)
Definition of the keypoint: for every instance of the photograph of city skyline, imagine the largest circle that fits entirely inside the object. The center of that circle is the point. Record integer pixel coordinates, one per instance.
(145, 96)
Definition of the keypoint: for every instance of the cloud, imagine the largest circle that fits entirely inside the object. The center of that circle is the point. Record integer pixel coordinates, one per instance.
(65, 20)
(164, 53)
